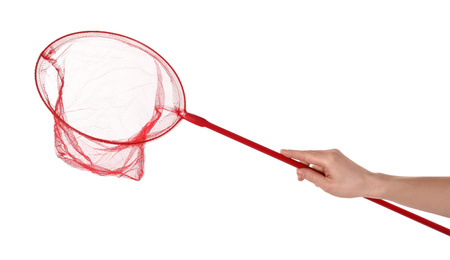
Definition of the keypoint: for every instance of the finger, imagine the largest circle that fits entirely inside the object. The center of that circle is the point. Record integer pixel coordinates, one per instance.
(316, 167)
(310, 157)
(312, 176)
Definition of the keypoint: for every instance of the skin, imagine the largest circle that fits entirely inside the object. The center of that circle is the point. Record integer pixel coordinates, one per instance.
(337, 175)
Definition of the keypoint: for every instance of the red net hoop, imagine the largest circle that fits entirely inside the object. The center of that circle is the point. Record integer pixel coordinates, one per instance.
(109, 94)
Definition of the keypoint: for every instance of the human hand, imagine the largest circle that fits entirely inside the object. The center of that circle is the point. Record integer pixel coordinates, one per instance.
(334, 173)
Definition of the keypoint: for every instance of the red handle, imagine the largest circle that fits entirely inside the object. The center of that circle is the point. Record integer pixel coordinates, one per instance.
(204, 123)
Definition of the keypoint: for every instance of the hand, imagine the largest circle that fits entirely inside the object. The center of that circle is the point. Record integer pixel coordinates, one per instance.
(333, 172)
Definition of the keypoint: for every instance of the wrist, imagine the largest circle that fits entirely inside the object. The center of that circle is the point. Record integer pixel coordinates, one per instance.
(377, 185)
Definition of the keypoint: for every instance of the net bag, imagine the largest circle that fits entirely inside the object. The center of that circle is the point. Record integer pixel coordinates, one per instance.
(109, 94)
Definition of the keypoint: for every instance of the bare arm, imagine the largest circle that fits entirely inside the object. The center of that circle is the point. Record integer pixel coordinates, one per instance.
(431, 194)
(338, 175)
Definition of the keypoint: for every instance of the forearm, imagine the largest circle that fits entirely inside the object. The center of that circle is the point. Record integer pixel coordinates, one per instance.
(336, 174)
(431, 194)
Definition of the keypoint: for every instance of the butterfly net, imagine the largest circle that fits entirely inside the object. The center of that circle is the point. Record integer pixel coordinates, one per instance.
(109, 94)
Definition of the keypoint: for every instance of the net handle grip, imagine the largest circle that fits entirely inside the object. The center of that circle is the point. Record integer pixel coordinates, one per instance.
(199, 121)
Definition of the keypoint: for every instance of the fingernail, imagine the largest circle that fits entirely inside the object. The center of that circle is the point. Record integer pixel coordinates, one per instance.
(301, 173)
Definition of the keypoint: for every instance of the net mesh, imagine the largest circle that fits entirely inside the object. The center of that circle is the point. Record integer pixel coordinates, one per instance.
(109, 94)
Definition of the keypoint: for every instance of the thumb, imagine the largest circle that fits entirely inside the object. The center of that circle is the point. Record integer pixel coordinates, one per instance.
(312, 176)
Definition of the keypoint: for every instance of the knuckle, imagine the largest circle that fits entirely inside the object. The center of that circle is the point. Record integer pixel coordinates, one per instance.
(335, 151)
(333, 155)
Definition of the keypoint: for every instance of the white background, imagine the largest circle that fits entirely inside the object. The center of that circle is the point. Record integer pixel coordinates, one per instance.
(368, 77)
